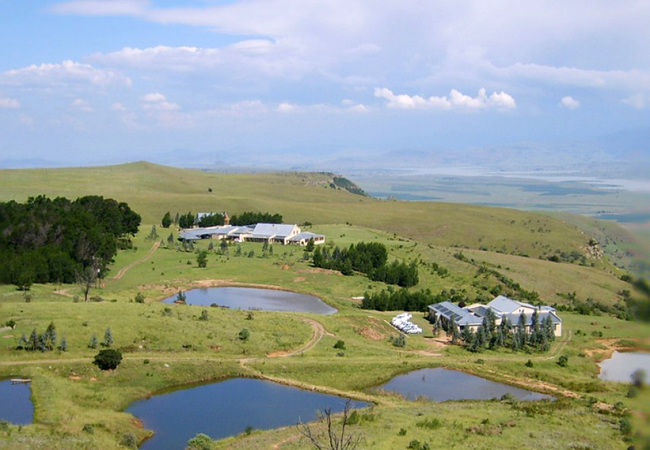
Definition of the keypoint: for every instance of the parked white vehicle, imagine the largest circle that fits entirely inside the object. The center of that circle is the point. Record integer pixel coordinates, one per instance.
(401, 322)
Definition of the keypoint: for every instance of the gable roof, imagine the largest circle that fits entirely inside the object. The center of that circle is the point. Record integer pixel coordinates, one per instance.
(266, 230)
(505, 305)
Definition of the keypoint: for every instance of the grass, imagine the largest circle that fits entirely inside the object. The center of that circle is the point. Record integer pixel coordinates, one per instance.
(69, 392)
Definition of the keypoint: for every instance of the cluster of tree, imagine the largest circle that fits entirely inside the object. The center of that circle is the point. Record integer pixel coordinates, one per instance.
(212, 220)
(46, 240)
(402, 300)
(186, 220)
(250, 218)
(369, 258)
(44, 342)
(537, 336)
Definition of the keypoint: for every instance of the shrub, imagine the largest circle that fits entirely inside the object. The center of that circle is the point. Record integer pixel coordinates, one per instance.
(398, 341)
(563, 361)
(108, 359)
(529, 363)
(200, 442)
(88, 428)
(129, 440)
(401, 432)
(429, 424)
(204, 315)
(340, 345)
(244, 334)
(139, 297)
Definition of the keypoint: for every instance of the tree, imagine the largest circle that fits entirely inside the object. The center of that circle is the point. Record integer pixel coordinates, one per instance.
(334, 438)
(638, 378)
(170, 240)
(466, 335)
(244, 334)
(94, 342)
(166, 220)
(108, 338)
(108, 359)
(63, 346)
(202, 259)
(200, 442)
(563, 361)
(340, 345)
(86, 278)
(452, 329)
(310, 245)
(204, 315)
(153, 234)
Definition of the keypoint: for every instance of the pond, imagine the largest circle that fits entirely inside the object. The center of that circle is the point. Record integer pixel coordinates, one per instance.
(443, 384)
(254, 298)
(16, 405)
(227, 408)
(621, 366)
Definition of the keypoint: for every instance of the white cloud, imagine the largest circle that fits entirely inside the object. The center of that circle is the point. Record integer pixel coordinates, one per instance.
(117, 106)
(158, 102)
(569, 102)
(68, 72)
(286, 107)
(456, 100)
(81, 105)
(635, 101)
(9, 103)
(102, 7)
(359, 108)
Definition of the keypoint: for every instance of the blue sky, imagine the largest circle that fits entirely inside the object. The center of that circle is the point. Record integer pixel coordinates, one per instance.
(110, 81)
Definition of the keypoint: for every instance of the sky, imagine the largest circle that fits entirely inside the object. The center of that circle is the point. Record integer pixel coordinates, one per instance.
(100, 81)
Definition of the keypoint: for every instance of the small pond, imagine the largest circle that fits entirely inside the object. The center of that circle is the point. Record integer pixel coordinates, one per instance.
(621, 366)
(227, 408)
(254, 298)
(443, 384)
(15, 403)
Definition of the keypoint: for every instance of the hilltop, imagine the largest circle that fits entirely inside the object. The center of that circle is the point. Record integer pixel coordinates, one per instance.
(151, 190)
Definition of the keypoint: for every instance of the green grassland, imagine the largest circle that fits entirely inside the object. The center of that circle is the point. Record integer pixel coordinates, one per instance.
(168, 345)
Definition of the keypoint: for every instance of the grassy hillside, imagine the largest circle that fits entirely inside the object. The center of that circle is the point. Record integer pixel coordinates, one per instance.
(627, 249)
(152, 190)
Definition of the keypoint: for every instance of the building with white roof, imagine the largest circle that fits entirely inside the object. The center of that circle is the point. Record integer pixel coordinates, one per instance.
(272, 233)
(503, 307)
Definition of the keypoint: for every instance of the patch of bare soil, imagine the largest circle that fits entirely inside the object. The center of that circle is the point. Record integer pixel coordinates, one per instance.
(299, 279)
(371, 333)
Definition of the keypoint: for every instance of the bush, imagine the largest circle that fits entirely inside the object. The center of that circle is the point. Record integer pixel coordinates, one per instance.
(88, 428)
(340, 345)
(200, 442)
(129, 440)
(563, 361)
(529, 363)
(402, 432)
(108, 359)
(139, 297)
(204, 315)
(429, 424)
(244, 334)
(398, 341)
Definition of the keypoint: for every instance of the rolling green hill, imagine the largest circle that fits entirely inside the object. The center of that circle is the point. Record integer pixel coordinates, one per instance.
(151, 190)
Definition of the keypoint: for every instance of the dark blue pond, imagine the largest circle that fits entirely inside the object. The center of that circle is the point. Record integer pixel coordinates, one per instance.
(15, 403)
(443, 384)
(226, 408)
(253, 298)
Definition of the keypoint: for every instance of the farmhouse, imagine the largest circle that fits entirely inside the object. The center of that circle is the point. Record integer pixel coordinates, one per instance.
(503, 307)
(271, 233)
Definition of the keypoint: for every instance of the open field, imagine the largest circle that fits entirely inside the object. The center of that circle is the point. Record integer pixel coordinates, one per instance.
(168, 345)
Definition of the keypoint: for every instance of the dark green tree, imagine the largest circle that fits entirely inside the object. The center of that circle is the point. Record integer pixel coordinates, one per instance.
(166, 220)
(108, 359)
(202, 259)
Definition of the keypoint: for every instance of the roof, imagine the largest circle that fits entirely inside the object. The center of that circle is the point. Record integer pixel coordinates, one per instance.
(507, 305)
(189, 235)
(461, 316)
(514, 318)
(305, 235)
(273, 229)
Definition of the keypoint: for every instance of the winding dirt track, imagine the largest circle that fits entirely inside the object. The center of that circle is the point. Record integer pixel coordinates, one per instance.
(319, 332)
(126, 268)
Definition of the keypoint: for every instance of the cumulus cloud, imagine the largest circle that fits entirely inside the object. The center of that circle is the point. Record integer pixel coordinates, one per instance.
(81, 105)
(156, 101)
(456, 100)
(9, 103)
(66, 73)
(569, 102)
(286, 107)
(635, 101)
(117, 106)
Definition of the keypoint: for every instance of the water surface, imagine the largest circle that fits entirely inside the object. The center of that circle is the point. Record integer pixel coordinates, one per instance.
(255, 298)
(443, 384)
(621, 366)
(15, 403)
(226, 408)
